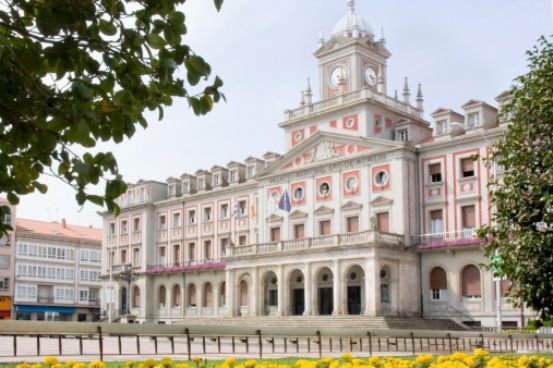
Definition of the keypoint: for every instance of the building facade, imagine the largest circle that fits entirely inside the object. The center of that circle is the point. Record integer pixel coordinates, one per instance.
(57, 271)
(7, 264)
(371, 210)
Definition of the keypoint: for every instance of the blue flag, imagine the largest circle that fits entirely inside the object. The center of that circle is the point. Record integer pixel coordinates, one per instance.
(284, 203)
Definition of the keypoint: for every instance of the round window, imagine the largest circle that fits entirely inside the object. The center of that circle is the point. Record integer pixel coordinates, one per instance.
(351, 184)
(353, 276)
(324, 189)
(378, 123)
(297, 137)
(324, 277)
(350, 123)
(298, 194)
(381, 178)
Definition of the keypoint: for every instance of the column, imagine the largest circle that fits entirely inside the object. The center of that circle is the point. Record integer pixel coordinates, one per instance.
(282, 287)
(230, 293)
(308, 286)
(254, 289)
(372, 289)
(337, 290)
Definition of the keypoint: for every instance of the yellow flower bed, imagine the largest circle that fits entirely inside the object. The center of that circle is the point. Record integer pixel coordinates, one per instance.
(478, 359)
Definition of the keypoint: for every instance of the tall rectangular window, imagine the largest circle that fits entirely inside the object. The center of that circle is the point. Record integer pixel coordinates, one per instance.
(441, 127)
(299, 231)
(176, 254)
(223, 211)
(435, 171)
(352, 224)
(136, 257)
(383, 222)
(123, 256)
(468, 217)
(436, 222)
(136, 224)
(176, 219)
(162, 222)
(467, 167)
(191, 217)
(191, 251)
(275, 234)
(162, 256)
(242, 208)
(208, 250)
(473, 119)
(242, 240)
(124, 226)
(324, 227)
(207, 214)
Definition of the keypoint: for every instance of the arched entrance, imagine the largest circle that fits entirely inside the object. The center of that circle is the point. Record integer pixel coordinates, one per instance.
(123, 300)
(270, 293)
(297, 293)
(355, 294)
(325, 298)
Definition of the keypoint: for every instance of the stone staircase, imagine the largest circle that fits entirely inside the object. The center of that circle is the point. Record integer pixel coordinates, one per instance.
(369, 323)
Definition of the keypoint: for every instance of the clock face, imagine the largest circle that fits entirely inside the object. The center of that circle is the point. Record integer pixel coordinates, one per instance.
(370, 76)
(337, 74)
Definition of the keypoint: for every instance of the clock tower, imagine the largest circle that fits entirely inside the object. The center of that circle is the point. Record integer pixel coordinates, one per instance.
(351, 59)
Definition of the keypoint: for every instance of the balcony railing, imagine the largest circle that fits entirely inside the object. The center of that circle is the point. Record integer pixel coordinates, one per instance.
(192, 265)
(327, 241)
(461, 238)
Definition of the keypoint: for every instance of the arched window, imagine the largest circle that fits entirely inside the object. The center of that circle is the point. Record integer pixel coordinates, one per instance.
(470, 279)
(222, 294)
(162, 296)
(385, 285)
(243, 293)
(136, 297)
(438, 284)
(208, 295)
(176, 296)
(191, 295)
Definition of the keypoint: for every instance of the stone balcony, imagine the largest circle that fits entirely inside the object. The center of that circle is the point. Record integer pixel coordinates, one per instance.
(316, 243)
(454, 239)
(350, 98)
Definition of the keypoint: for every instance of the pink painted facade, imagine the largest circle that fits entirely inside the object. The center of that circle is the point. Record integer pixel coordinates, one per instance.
(7, 264)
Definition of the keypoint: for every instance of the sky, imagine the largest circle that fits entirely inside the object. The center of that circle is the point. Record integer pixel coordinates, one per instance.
(263, 50)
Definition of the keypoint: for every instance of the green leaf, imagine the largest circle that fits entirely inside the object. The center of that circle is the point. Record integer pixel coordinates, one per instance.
(107, 28)
(155, 41)
(218, 4)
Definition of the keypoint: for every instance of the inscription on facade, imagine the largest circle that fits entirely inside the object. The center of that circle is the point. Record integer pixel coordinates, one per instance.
(338, 166)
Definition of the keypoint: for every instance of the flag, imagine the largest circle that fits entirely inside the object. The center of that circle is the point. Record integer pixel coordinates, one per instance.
(252, 211)
(284, 203)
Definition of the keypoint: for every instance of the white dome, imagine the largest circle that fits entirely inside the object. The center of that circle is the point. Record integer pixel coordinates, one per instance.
(352, 25)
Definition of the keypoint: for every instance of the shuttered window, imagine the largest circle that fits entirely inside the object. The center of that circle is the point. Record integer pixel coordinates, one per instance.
(467, 216)
(353, 224)
(324, 227)
(299, 231)
(470, 279)
(383, 222)
(467, 167)
(435, 173)
(275, 234)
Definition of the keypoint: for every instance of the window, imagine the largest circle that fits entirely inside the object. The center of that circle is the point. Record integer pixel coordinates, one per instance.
(352, 224)
(185, 187)
(383, 222)
(172, 189)
(191, 217)
(473, 119)
(136, 225)
(223, 211)
(251, 171)
(162, 296)
(242, 240)
(467, 167)
(243, 293)
(208, 295)
(470, 280)
(124, 227)
(298, 194)
(208, 250)
(4, 262)
(232, 176)
(83, 295)
(441, 127)
(123, 256)
(129, 197)
(242, 208)
(176, 296)
(112, 228)
(162, 256)
(176, 219)
(324, 227)
(468, 218)
(136, 297)
(275, 234)
(191, 251)
(176, 254)
(403, 135)
(201, 183)
(142, 194)
(216, 180)
(299, 231)
(224, 245)
(4, 283)
(191, 295)
(435, 171)
(273, 297)
(324, 189)
(436, 222)
(136, 257)
(7, 219)
(207, 214)
(438, 284)
(381, 178)
(162, 222)
(351, 184)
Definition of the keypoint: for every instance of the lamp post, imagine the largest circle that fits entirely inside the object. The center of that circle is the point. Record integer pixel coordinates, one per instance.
(128, 275)
(496, 255)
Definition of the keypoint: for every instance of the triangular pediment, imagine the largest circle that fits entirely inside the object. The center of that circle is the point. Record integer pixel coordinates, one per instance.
(297, 214)
(274, 218)
(382, 201)
(351, 206)
(325, 147)
(323, 210)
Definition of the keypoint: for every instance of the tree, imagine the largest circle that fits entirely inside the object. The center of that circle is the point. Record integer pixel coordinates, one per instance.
(524, 198)
(75, 72)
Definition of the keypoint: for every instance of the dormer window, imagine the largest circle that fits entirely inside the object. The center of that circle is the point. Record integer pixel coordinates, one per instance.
(232, 176)
(142, 194)
(441, 127)
(185, 187)
(473, 119)
(172, 190)
(129, 197)
(201, 183)
(216, 179)
(251, 171)
(402, 135)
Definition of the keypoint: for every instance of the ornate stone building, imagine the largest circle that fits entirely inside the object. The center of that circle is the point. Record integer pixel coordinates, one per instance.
(370, 211)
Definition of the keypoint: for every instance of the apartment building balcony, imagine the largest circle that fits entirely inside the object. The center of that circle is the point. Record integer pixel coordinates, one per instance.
(315, 243)
(350, 98)
(455, 239)
(192, 265)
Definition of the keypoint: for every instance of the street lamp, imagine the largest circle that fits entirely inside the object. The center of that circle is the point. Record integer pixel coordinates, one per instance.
(128, 275)
(496, 255)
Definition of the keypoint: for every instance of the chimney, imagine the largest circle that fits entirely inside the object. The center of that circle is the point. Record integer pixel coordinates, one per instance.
(63, 223)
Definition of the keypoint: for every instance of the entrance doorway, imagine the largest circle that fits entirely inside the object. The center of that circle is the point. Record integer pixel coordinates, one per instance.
(354, 299)
(297, 293)
(325, 297)
(355, 277)
(123, 300)
(325, 301)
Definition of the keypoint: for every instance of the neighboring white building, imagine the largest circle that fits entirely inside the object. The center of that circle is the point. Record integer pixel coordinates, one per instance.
(6, 264)
(383, 208)
(57, 271)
